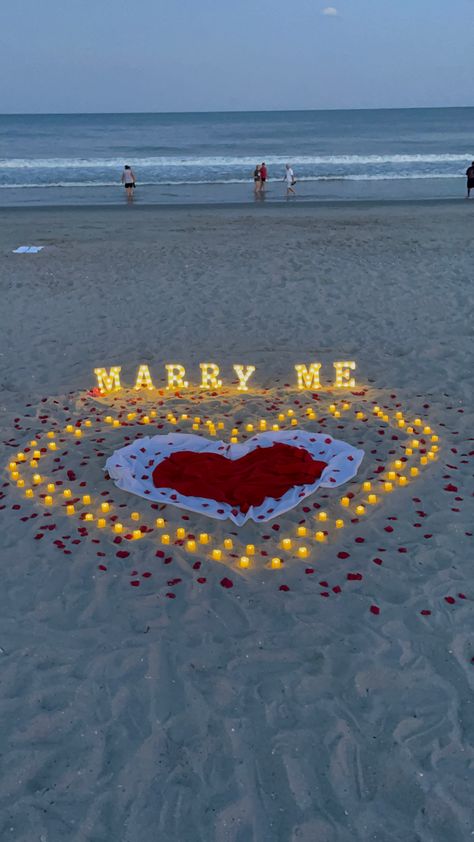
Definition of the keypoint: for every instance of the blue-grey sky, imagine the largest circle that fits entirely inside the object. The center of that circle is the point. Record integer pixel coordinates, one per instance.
(186, 55)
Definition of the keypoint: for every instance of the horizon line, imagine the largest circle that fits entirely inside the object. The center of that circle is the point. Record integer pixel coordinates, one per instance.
(234, 111)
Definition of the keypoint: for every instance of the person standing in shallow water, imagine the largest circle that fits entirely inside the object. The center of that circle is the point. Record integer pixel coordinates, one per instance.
(256, 179)
(470, 179)
(289, 177)
(128, 181)
(263, 176)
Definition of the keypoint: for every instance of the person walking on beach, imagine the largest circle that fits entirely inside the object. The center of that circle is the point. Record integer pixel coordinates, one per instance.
(263, 175)
(290, 181)
(128, 181)
(470, 179)
(256, 179)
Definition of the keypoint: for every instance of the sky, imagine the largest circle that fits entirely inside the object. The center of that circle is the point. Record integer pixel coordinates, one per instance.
(204, 55)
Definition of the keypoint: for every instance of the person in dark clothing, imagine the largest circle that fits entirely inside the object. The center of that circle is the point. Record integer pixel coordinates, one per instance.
(470, 179)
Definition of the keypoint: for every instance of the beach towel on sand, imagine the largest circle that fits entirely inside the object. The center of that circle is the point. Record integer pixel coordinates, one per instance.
(267, 475)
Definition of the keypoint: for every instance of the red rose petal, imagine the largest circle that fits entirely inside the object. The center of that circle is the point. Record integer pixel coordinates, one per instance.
(227, 583)
(374, 609)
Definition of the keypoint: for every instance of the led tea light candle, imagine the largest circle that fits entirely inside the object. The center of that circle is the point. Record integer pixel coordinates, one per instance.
(399, 415)
(303, 552)
(294, 422)
(36, 454)
(302, 531)
(434, 438)
(332, 407)
(70, 510)
(275, 427)
(372, 499)
(401, 423)
(250, 549)
(69, 428)
(345, 501)
(159, 522)
(86, 498)
(116, 423)
(88, 516)
(228, 543)
(244, 561)
(136, 534)
(105, 507)
(48, 500)
(216, 554)
(12, 466)
(52, 445)
(320, 536)
(191, 545)
(415, 443)
(50, 434)
(414, 472)
(367, 485)
(337, 414)
(108, 419)
(286, 543)
(398, 464)
(431, 454)
(263, 424)
(426, 430)
(408, 451)
(14, 475)
(118, 528)
(275, 563)
(234, 440)
(88, 422)
(21, 457)
(249, 428)
(360, 415)
(391, 476)
(180, 533)
(290, 412)
(281, 417)
(203, 538)
(29, 492)
(101, 523)
(388, 486)
(20, 483)
(135, 515)
(423, 460)
(165, 539)
(339, 524)
(360, 510)
(402, 481)
(34, 463)
(322, 516)
(67, 493)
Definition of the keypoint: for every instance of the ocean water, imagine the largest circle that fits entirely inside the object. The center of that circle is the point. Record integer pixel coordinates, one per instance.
(181, 158)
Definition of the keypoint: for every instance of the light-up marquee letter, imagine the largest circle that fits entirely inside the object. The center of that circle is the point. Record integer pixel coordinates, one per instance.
(144, 378)
(243, 372)
(210, 376)
(176, 374)
(308, 379)
(343, 374)
(108, 381)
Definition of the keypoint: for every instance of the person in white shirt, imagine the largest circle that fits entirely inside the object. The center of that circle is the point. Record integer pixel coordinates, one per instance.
(128, 181)
(290, 180)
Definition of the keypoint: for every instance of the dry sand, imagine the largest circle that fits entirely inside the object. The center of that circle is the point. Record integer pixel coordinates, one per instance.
(248, 714)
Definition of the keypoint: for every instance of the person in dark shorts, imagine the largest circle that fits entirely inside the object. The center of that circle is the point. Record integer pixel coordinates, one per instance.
(470, 179)
(128, 181)
(263, 175)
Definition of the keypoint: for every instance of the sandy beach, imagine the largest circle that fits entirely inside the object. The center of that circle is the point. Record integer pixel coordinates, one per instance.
(327, 701)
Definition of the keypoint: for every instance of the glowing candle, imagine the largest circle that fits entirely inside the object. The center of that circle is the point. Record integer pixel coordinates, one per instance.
(360, 510)
(301, 531)
(20, 483)
(398, 464)
(136, 534)
(320, 536)
(50, 434)
(118, 528)
(332, 407)
(427, 430)
(69, 428)
(345, 501)
(220, 425)
(402, 480)
(52, 445)
(34, 463)
(339, 523)
(399, 415)
(21, 457)
(78, 433)
(286, 543)
(431, 455)
(88, 422)
(145, 419)
(367, 486)
(337, 414)
(281, 417)
(12, 466)
(388, 486)
(180, 533)
(37, 454)
(263, 424)
(88, 516)
(203, 538)
(303, 552)
(423, 460)
(101, 523)
(391, 476)
(376, 409)
(360, 415)
(415, 443)
(250, 549)
(290, 412)
(249, 428)
(372, 499)
(159, 522)
(322, 516)
(29, 492)
(401, 423)
(116, 423)
(67, 493)
(228, 543)
(86, 498)
(108, 419)
(418, 422)
(131, 416)
(165, 539)
(135, 515)
(244, 561)
(414, 472)
(234, 440)
(434, 448)
(408, 451)
(70, 510)
(276, 563)
(216, 554)
(434, 438)
(48, 500)
(191, 545)
(105, 507)
(294, 422)
(14, 475)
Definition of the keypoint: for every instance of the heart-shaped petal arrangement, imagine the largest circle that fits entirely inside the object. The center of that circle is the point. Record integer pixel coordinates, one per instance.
(268, 475)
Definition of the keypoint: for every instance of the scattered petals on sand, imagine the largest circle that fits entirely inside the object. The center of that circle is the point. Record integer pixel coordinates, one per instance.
(354, 577)
(135, 583)
(450, 600)
(227, 583)
(425, 612)
(283, 588)
(374, 609)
